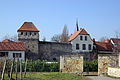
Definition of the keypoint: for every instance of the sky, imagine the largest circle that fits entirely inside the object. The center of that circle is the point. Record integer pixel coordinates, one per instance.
(100, 18)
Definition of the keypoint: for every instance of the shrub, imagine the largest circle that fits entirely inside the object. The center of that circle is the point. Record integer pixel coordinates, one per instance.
(91, 66)
(42, 66)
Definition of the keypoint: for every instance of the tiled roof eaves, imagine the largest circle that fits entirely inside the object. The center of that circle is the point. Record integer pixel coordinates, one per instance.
(12, 46)
(28, 30)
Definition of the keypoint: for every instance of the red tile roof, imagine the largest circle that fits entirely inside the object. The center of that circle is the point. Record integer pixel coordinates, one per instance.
(103, 46)
(107, 41)
(28, 26)
(12, 46)
(115, 40)
(7, 40)
(75, 34)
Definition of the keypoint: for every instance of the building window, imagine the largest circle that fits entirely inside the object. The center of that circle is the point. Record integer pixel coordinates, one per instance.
(81, 37)
(89, 46)
(34, 33)
(26, 33)
(3, 54)
(84, 46)
(21, 33)
(30, 33)
(77, 46)
(85, 38)
(17, 55)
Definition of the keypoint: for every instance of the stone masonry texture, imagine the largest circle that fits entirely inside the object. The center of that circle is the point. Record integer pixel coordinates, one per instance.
(71, 63)
(53, 50)
(105, 61)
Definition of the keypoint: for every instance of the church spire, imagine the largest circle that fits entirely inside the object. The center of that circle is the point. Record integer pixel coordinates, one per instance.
(77, 27)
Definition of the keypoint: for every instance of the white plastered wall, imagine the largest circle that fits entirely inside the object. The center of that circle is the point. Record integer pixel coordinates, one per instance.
(80, 42)
(10, 54)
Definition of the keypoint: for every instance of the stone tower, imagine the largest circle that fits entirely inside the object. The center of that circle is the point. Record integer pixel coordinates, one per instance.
(29, 34)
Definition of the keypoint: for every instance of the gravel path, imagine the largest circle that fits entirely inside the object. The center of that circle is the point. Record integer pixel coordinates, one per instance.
(100, 78)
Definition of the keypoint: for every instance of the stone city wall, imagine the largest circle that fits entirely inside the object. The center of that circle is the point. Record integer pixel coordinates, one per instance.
(53, 50)
(71, 63)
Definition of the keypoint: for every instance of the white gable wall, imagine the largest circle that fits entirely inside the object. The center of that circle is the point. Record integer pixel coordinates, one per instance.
(10, 54)
(81, 42)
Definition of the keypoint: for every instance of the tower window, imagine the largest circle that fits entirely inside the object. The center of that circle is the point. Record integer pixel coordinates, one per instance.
(89, 46)
(77, 46)
(86, 38)
(84, 46)
(81, 37)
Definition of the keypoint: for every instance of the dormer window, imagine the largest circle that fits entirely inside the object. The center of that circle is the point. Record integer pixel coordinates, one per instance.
(81, 37)
(85, 38)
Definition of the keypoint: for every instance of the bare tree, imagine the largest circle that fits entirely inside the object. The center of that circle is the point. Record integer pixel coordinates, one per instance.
(12, 38)
(56, 38)
(64, 35)
(117, 34)
(104, 38)
(117, 45)
(61, 37)
(44, 39)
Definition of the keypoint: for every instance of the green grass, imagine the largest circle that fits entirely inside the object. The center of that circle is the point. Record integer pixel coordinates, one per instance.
(50, 76)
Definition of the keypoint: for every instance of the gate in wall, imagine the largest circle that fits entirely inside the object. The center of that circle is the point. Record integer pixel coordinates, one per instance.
(74, 63)
(105, 61)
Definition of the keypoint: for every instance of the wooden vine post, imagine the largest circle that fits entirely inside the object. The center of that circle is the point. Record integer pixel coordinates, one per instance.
(20, 69)
(2, 77)
(11, 70)
(25, 68)
(16, 67)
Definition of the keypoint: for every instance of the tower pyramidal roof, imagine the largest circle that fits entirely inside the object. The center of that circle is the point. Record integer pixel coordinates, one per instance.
(28, 26)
